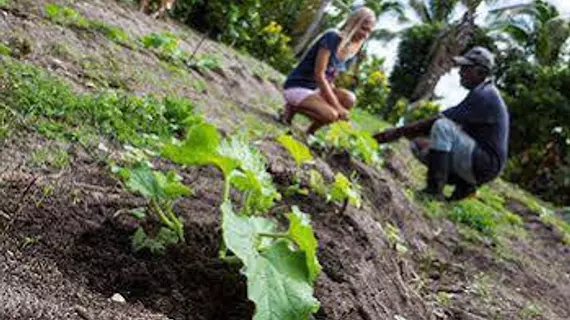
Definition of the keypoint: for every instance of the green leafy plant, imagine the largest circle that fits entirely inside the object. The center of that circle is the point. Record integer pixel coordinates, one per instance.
(301, 154)
(161, 190)
(317, 183)
(281, 266)
(67, 16)
(167, 44)
(343, 189)
(373, 89)
(55, 110)
(342, 136)
(298, 150)
(205, 62)
(5, 50)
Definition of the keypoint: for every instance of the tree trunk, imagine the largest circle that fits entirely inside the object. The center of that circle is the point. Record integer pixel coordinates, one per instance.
(451, 42)
(309, 33)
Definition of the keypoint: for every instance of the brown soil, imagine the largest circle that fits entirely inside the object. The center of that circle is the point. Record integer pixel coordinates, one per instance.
(65, 252)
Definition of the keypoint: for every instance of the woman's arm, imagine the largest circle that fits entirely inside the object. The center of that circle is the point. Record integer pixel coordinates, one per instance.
(321, 64)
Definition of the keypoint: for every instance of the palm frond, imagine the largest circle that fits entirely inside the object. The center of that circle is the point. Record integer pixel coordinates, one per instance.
(384, 35)
(421, 10)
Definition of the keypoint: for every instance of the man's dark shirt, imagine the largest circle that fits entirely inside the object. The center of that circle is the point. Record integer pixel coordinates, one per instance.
(483, 115)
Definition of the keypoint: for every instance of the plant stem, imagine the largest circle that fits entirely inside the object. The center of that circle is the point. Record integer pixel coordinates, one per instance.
(231, 259)
(177, 223)
(161, 214)
(226, 195)
(275, 235)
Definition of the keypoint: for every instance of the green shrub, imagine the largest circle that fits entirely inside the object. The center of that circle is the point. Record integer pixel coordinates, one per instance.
(372, 90)
(40, 98)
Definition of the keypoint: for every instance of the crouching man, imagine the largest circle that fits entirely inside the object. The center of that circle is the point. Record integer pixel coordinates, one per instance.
(467, 144)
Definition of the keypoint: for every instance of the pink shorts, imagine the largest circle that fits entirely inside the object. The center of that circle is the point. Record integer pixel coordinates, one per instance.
(294, 96)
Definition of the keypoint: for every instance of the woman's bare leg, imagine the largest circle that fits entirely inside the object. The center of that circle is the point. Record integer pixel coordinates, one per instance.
(346, 98)
(319, 110)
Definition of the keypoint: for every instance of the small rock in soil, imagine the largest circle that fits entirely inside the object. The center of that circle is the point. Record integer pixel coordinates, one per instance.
(118, 298)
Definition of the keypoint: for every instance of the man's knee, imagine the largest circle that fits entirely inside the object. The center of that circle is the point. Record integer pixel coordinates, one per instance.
(442, 126)
(443, 134)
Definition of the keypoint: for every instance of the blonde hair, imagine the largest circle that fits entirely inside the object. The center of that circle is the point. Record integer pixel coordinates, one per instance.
(353, 23)
(348, 29)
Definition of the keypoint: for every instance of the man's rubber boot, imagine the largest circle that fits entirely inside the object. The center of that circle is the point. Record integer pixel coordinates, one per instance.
(438, 171)
(462, 191)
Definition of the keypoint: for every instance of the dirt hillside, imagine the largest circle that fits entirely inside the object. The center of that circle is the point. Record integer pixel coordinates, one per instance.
(65, 250)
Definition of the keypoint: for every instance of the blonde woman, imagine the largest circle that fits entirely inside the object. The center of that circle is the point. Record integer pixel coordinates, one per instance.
(309, 87)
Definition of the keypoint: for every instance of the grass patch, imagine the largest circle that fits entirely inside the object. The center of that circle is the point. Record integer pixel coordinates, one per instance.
(59, 158)
(368, 122)
(546, 213)
(54, 110)
(5, 50)
(531, 311)
(69, 17)
(550, 218)
(486, 215)
(4, 3)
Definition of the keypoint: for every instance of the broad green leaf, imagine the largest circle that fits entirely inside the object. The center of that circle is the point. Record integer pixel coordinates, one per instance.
(253, 178)
(301, 231)
(171, 185)
(241, 233)
(153, 184)
(359, 143)
(298, 150)
(138, 213)
(200, 148)
(317, 183)
(278, 284)
(139, 239)
(344, 189)
(141, 179)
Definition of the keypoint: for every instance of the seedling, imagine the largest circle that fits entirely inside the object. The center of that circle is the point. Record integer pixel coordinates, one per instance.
(161, 191)
(281, 268)
(342, 136)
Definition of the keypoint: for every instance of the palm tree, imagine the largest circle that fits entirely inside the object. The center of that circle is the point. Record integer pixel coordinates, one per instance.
(318, 16)
(537, 27)
(452, 41)
(433, 10)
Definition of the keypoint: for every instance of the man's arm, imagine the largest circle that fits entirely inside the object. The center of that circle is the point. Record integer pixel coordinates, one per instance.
(410, 131)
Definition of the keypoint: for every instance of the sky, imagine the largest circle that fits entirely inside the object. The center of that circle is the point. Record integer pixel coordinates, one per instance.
(448, 87)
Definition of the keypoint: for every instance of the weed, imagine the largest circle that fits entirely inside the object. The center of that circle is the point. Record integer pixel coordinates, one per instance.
(30, 241)
(65, 16)
(161, 192)
(531, 311)
(342, 136)
(482, 286)
(5, 50)
(4, 3)
(394, 238)
(199, 85)
(57, 110)
(444, 298)
(58, 159)
(115, 34)
(549, 217)
(60, 50)
(69, 17)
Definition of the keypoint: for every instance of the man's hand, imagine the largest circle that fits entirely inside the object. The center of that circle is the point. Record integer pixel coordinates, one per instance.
(388, 135)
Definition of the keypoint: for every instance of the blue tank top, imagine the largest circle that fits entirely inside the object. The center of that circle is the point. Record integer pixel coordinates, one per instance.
(304, 73)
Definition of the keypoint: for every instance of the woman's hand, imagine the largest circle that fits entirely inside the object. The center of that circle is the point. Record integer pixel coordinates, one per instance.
(342, 114)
